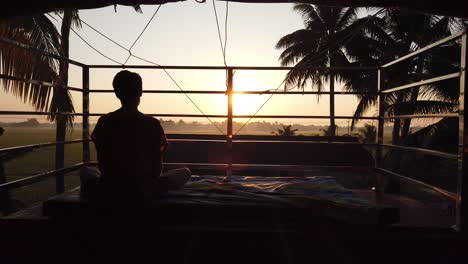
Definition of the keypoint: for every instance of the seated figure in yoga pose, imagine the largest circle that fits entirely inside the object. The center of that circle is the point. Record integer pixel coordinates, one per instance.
(130, 148)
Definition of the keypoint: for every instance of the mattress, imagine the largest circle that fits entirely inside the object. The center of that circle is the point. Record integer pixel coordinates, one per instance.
(288, 191)
(248, 201)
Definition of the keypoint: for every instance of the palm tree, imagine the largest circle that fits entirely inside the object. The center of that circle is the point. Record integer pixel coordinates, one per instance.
(367, 134)
(328, 132)
(325, 41)
(287, 131)
(36, 31)
(398, 33)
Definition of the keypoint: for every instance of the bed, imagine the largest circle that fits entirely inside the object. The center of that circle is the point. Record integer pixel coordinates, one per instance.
(250, 201)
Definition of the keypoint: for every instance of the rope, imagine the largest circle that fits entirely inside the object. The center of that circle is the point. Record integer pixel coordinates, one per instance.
(142, 59)
(86, 42)
(260, 108)
(180, 88)
(141, 33)
(226, 28)
(219, 32)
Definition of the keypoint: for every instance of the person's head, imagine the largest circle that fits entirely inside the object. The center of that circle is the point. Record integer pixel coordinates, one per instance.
(128, 87)
(1, 131)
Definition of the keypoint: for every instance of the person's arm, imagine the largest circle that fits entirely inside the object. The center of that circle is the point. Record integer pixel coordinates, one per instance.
(95, 136)
(160, 146)
(164, 142)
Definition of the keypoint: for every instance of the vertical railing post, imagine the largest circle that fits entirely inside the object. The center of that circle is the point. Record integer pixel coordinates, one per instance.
(380, 128)
(60, 137)
(462, 186)
(332, 128)
(229, 124)
(5, 198)
(85, 121)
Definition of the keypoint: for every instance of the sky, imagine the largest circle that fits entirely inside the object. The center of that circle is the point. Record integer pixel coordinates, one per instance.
(185, 33)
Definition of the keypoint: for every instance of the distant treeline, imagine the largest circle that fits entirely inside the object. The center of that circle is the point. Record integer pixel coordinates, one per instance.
(181, 126)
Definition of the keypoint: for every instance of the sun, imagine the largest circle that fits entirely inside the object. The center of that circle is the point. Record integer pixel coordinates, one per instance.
(246, 104)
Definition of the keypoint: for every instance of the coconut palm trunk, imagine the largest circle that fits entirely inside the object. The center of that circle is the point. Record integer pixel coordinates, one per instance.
(413, 98)
(60, 95)
(407, 123)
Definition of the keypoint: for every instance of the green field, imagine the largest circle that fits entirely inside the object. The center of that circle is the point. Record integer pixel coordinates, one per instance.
(38, 161)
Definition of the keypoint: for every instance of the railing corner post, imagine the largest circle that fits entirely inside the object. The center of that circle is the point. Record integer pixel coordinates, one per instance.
(85, 121)
(462, 184)
(229, 135)
(380, 128)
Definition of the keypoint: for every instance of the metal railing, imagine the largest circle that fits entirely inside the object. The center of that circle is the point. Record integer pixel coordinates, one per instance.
(462, 216)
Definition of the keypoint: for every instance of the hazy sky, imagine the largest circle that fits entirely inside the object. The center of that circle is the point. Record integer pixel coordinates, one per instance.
(185, 33)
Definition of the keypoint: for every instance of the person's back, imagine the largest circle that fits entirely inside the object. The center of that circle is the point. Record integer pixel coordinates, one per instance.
(129, 148)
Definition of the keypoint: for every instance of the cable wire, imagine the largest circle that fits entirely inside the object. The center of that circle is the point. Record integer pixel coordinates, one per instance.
(141, 33)
(219, 33)
(143, 59)
(180, 88)
(226, 28)
(146, 26)
(86, 42)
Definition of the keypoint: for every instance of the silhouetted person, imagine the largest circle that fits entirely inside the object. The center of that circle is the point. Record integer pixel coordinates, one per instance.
(130, 147)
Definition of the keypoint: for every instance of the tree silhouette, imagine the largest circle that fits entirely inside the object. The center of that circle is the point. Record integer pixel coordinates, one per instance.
(287, 131)
(367, 134)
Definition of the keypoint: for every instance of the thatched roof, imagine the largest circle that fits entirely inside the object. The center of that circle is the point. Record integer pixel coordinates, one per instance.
(26, 7)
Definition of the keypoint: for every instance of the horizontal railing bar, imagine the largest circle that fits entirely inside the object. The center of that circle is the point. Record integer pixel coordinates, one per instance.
(179, 67)
(424, 151)
(37, 113)
(422, 116)
(426, 48)
(273, 141)
(304, 117)
(256, 116)
(40, 145)
(42, 83)
(443, 192)
(191, 115)
(247, 165)
(420, 83)
(38, 177)
(240, 92)
(28, 47)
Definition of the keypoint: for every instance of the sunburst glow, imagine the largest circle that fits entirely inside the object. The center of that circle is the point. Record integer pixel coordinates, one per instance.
(246, 104)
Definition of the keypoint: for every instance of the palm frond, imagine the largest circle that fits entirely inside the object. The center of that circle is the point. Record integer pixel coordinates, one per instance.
(137, 8)
(364, 104)
(421, 107)
(39, 32)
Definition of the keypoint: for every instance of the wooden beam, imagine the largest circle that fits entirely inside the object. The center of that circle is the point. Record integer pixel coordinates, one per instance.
(25, 8)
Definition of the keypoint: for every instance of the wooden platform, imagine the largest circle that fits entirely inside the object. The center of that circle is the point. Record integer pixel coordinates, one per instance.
(31, 237)
(412, 213)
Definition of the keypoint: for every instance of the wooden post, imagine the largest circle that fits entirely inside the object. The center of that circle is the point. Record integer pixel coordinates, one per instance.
(462, 186)
(229, 125)
(85, 121)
